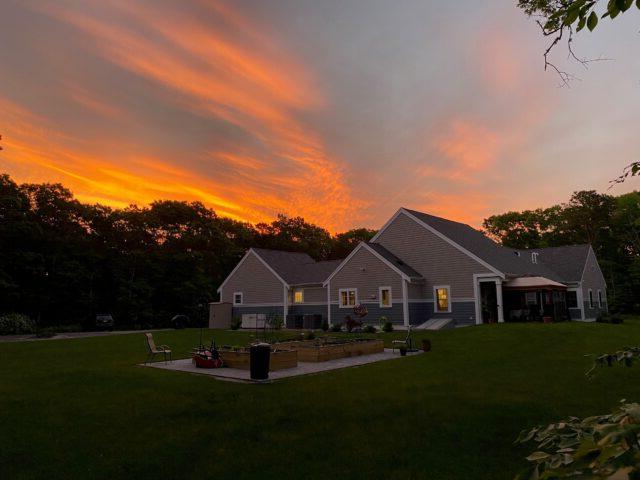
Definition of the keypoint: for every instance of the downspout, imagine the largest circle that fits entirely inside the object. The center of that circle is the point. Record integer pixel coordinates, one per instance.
(405, 303)
(285, 300)
(329, 303)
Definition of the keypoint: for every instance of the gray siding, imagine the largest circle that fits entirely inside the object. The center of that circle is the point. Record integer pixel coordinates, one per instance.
(393, 314)
(435, 259)
(593, 279)
(256, 282)
(270, 312)
(367, 273)
(463, 313)
(312, 295)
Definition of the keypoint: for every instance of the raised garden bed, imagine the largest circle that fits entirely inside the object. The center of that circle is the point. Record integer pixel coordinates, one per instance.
(325, 350)
(280, 359)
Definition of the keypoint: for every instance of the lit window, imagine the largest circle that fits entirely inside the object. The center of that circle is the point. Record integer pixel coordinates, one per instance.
(442, 299)
(348, 297)
(298, 296)
(385, 297)
(237, 298)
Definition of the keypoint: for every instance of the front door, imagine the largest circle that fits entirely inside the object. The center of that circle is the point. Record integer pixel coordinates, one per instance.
(489, 302)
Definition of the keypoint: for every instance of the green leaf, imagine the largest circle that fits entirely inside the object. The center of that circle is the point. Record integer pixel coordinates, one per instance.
(538, 457)
(572, 16)
(638, 4)
(593, 21)
(581, 24)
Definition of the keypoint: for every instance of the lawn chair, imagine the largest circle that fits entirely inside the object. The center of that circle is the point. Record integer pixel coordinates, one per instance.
(153, 350)
(407, 342)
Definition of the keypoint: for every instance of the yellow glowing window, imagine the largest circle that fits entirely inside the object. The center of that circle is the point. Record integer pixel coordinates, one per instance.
(298, 296)
(442, 299)
(385, 296)
(348, 297)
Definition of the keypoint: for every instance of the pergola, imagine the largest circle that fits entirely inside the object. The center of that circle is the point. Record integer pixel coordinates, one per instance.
(534, 298)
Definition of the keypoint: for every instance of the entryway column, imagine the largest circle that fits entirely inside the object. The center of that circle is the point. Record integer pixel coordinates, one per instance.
(285, 301)
(329, 303)
(405, 303)
(499, 301)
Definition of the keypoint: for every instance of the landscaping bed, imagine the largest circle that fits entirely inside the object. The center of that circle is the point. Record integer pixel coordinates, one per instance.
(332, 349)
(279, 360)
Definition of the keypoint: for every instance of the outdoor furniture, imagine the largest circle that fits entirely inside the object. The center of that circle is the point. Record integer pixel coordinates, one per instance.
(407, 342)
(156, 350)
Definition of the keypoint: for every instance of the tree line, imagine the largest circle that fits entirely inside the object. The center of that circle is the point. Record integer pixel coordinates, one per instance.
(63, 261)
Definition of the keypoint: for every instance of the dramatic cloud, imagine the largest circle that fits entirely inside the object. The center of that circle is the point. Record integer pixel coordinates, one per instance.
(340, 113)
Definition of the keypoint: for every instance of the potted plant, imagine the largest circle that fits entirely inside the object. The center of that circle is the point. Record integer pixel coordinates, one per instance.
(403, 351)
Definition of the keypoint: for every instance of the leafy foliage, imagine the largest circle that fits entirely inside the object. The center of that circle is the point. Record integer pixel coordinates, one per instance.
(625, 357)
(62, 261)
(15, 323)
(598, 447)
(610, 224)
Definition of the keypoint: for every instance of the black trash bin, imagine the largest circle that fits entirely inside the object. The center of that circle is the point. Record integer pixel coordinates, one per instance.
(259, 361)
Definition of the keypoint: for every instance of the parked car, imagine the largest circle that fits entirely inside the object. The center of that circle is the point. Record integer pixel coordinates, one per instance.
(104, 321)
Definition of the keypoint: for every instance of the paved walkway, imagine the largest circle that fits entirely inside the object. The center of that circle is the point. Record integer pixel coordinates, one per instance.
(303, 368)
(63, 336)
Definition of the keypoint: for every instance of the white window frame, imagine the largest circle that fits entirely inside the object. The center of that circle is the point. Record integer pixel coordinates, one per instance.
(296, 290)
(599, 298)
(435, 298)
(380, 304)
(591, 298)
(340, 305)
(241, 298)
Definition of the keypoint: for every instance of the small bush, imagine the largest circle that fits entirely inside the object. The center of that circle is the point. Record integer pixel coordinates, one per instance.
(387, 327)
(47, 332)
(325, 326)
(609, 318)
(369, 329)
(236, 322)
(336, 327)
(310, 335)
(16, 324)
(276, 322)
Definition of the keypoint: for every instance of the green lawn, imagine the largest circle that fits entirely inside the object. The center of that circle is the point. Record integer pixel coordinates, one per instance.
(82, 409)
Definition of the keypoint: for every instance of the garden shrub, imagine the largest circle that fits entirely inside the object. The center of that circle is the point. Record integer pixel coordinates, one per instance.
(47, 332)
(609, 318)
(387, 327)
(236, 322)
(336, 327)
(369, 329)
(16, 324)
(325, 326)
(310, 335)
(276, 322)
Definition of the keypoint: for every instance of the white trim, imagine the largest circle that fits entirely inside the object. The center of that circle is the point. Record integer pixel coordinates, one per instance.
(329, 304)
(242, 261)
(453, 300)
(241, 298)
(340, 297)
(499, 301)
(599, 298)
(580, 295)
(405, 303)
(435, 298)
(380, 289)
(376, 254)
(285, 306)
(438, 234)
(590, 297)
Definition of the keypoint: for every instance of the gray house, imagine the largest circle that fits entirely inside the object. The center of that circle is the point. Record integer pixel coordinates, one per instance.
(419, 270)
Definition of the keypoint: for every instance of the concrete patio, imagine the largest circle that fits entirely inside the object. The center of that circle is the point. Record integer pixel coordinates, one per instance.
(303, 368)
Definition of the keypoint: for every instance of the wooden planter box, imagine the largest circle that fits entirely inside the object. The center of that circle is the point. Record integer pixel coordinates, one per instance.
(309, 351)
(279, 360)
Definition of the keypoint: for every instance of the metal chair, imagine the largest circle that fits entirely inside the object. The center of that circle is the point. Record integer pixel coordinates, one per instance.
(156, 350)
(407, 342)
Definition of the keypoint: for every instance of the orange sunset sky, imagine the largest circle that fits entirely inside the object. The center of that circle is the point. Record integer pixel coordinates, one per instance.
(339, 112)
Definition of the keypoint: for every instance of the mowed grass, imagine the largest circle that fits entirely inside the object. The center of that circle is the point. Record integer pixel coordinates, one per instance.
(83, 409)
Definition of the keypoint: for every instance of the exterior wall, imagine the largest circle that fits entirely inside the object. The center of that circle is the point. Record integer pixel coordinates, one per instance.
(393, 314)
(593, 279)
(256, 282)
(376, 274)
(269, 311)
(436, 260)
(311, 295)
(463, 313)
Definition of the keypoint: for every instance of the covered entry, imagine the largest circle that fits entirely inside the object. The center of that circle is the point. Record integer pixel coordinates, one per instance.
(529, 299)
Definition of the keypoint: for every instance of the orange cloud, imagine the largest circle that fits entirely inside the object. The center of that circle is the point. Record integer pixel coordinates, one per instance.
(235, 77)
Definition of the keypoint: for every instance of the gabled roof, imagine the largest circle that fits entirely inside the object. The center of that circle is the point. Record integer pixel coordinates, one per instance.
(385, 256)
(391, 258)
(297, 268)
(558, 263)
